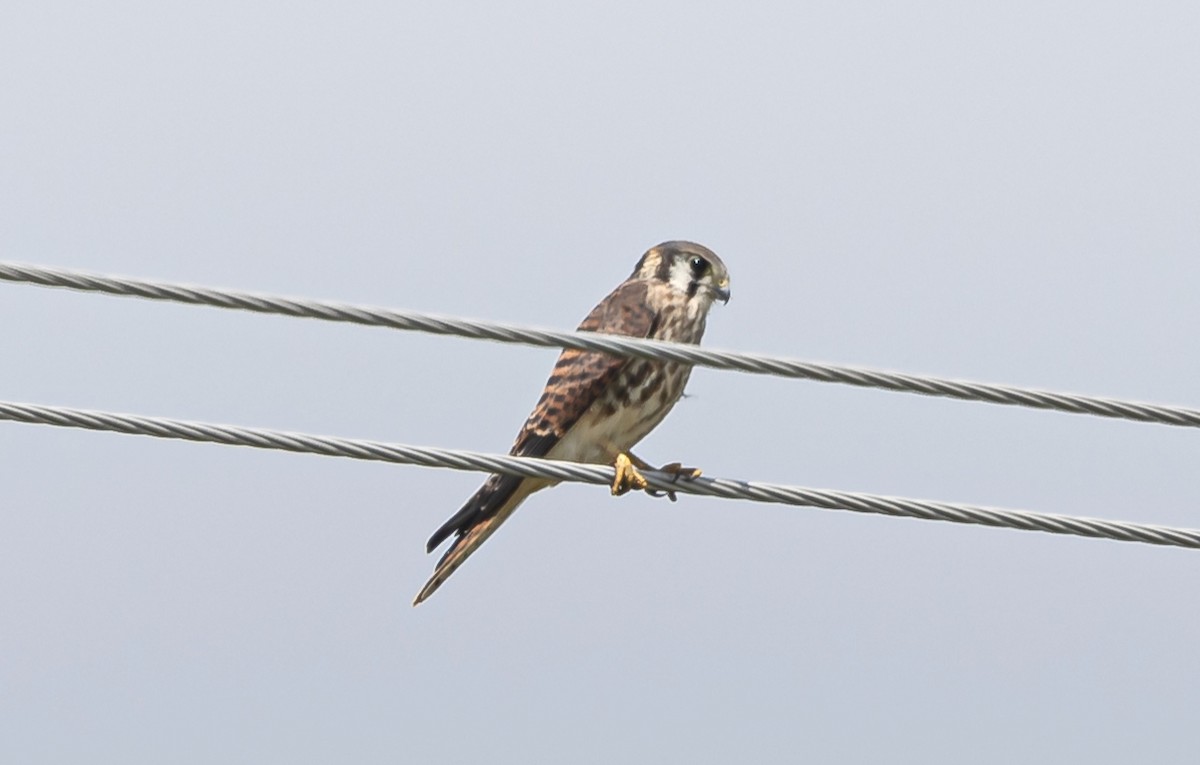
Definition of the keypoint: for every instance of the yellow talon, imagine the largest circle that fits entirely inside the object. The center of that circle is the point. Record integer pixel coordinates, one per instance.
(627, 476)
(676, 471)
(679, 471)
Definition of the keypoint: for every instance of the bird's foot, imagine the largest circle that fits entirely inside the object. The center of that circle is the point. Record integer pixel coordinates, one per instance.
(627, 477)
(677, 471)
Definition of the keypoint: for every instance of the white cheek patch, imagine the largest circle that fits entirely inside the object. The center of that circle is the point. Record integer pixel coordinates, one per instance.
(681, 275)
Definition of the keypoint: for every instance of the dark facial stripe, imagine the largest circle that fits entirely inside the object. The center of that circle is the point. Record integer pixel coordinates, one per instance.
(693, 286)
(663, 272)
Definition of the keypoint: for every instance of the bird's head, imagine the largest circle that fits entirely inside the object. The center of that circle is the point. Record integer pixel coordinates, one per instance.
(687, 267)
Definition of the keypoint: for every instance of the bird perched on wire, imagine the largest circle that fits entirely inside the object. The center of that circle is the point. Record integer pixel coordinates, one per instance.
(596, 406)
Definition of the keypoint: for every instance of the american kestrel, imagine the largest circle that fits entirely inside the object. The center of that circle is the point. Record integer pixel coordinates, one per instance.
(596, 406)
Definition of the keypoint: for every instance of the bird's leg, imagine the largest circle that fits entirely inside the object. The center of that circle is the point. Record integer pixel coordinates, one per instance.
(675, 469)
(638, 462)
(627, 476)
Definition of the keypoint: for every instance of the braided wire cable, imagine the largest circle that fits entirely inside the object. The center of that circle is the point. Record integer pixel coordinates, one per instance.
(621, 346)
(426, 456)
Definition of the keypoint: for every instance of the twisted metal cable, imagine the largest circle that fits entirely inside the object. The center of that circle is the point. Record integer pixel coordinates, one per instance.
(329, 446)
(621, 346)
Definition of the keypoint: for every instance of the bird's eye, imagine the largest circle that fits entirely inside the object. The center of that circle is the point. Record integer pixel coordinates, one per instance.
(699, 266)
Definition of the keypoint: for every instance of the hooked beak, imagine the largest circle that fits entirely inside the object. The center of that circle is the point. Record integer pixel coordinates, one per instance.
(721, 293)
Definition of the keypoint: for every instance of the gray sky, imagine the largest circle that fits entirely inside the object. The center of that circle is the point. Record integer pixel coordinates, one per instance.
(1006, 192)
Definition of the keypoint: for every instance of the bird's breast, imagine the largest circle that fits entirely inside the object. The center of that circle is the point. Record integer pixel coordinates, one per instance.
(632, 405)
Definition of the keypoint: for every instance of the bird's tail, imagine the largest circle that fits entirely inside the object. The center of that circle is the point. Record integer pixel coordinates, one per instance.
(478, 519)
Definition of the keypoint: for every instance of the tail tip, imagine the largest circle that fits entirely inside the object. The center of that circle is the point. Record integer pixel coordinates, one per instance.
(426, 591)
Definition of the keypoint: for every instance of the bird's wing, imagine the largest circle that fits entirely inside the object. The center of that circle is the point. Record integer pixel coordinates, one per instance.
(578, 379)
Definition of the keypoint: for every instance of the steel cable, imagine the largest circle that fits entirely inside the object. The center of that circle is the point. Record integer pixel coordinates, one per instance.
(649, 349)
(261, 438)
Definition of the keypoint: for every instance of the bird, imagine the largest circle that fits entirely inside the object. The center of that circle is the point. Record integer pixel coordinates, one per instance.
(596, 407)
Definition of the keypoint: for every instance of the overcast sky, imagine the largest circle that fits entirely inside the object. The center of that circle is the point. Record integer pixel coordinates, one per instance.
(1006, 192)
